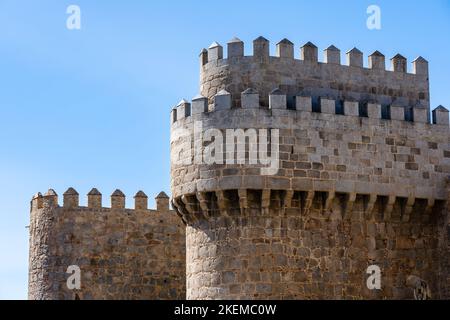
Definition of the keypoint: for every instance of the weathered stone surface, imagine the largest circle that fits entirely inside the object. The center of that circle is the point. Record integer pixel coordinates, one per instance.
(369, 152)
(291, 257)
(347, 191)
(366, 186)
(332, 55)
(333, 80)
(122, 253)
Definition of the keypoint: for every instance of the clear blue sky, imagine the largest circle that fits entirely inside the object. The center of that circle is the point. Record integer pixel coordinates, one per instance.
(90, 108)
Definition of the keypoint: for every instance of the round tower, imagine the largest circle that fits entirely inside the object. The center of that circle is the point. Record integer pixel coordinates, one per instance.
(41, 278)
(299, 179)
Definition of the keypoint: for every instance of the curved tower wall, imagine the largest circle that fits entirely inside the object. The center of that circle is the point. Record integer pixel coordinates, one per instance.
(351, 189)
(332, 78)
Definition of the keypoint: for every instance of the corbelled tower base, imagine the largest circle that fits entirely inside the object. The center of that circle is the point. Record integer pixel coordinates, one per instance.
(309, 254)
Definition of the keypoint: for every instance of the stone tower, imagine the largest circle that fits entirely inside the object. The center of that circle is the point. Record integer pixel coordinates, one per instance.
(295, 176)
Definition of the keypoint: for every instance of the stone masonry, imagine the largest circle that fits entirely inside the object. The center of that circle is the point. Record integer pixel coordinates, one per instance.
(361, 177)
(358, 176)
(122, 253)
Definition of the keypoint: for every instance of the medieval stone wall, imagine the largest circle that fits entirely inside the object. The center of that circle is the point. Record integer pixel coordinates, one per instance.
(122, 253)
(360, 180)
(357, 177)
(320, 151)
(444, 253)
(350, 192)
(319, 254)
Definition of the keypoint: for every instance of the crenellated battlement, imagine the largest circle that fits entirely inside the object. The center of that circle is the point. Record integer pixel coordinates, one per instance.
(250, 99)
(325, 146)
(71, 200)
(308, 76)
(121, 253)
(285, 49)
